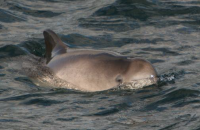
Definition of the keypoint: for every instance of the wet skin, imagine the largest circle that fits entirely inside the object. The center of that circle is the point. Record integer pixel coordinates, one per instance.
(93, 70)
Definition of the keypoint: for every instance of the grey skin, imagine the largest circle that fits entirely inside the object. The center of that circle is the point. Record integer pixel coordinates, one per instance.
(92, 70)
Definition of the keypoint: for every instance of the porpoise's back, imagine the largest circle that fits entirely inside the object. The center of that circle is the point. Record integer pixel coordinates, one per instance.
(93, 72)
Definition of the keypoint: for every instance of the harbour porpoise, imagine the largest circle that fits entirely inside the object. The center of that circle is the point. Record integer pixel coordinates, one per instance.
(94, 70)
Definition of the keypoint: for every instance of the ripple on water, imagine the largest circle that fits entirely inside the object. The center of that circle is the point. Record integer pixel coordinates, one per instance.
(165, 51)
(143, 10)
(156, 61)
(26, 80)
(9, 120)
(8, 17)
(125, 8)
(67, 119)
(34, 13)
(185, 62)
(41, 102)
(21, 97)
(54, 1)
(1, 27)
(108, 111)
(105, 41)
(173, 97)
(1, 67)
(183, 103)
(81, 40)
(2, 75)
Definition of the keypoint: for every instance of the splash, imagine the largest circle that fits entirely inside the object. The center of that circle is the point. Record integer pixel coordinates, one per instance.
(137, 84)
(170, 77)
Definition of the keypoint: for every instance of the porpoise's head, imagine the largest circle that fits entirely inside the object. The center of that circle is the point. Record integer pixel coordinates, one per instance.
(139, 73)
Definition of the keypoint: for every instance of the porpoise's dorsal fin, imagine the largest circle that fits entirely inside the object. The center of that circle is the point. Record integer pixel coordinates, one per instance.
(54, 45)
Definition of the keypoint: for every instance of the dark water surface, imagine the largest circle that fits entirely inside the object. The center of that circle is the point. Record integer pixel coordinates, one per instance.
(165, 32)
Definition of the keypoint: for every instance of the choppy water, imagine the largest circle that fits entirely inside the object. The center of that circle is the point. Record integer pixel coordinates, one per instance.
(165, 32)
